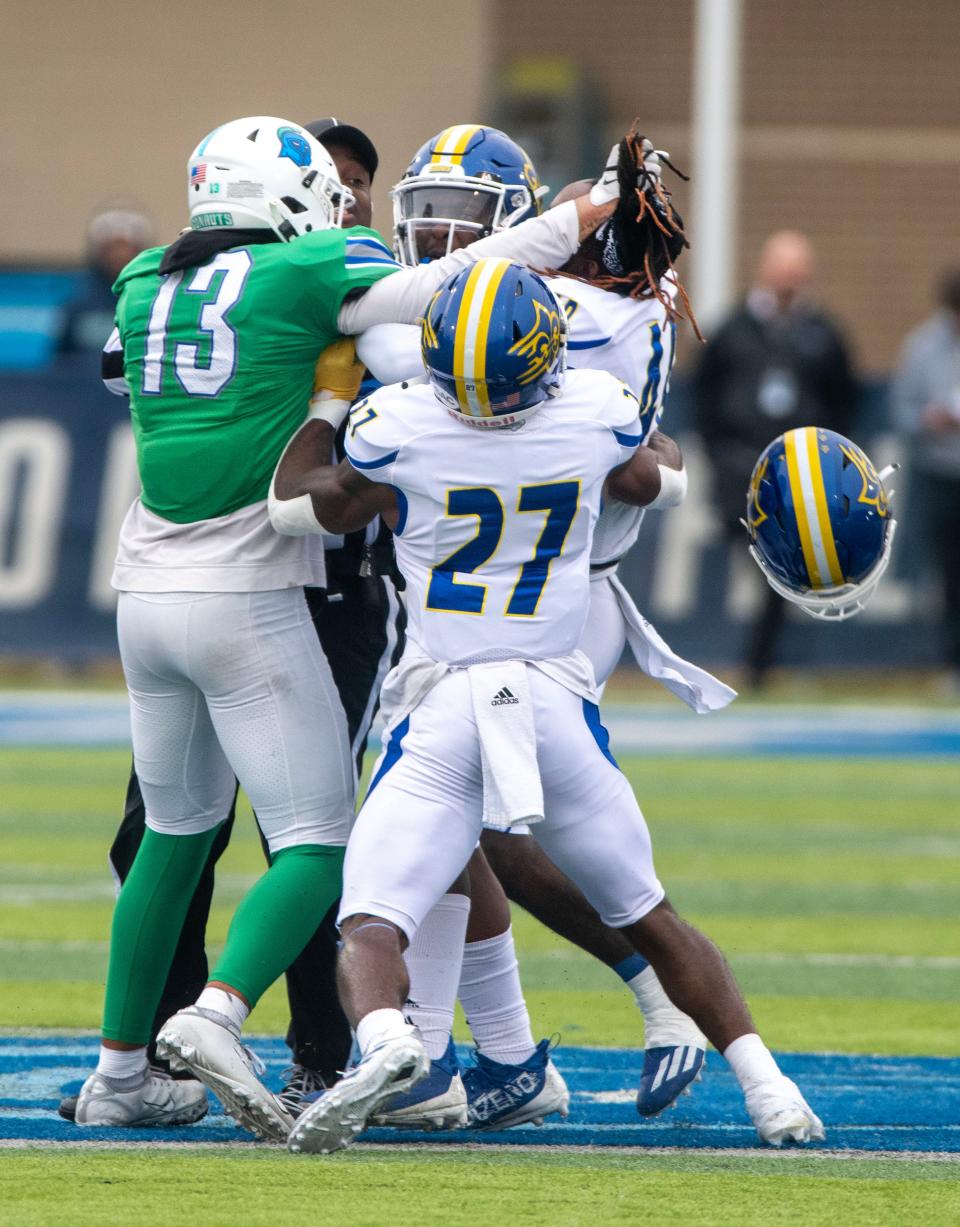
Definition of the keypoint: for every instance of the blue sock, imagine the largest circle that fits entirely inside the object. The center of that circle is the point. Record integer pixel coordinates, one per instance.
(629, 967)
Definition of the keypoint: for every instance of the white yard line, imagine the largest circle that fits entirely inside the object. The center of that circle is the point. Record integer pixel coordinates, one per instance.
(420, 1148)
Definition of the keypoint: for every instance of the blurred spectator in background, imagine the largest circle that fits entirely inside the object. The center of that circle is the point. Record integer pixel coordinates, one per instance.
(925, 405)
(117, 232)
(777, 362)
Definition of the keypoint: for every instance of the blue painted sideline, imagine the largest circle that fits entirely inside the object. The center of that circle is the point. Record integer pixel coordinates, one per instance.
(868, 1103)
(79, 719)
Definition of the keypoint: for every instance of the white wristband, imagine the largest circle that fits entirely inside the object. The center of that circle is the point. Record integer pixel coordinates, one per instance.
(673, 488)
(325, 407)
(292, 517)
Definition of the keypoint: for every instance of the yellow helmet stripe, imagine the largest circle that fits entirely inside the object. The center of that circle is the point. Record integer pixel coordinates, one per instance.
(452, 143)
(796, 492)
(470, 339)
(820, 506)
(483, 331)
(810, 506)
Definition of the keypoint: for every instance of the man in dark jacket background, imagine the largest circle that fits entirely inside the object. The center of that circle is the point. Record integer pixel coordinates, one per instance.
(777, 362)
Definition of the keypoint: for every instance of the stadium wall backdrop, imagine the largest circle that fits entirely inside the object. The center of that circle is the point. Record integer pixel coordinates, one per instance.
(68, 475)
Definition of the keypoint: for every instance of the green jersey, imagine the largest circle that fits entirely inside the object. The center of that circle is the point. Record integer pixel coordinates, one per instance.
(219, 360)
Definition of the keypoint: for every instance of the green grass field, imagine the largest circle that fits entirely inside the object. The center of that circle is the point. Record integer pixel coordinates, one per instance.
(831, 885)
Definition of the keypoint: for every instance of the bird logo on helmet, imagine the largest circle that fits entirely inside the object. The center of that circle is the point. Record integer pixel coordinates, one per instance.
(263, 173)
(463, 184)
(494, 343)
(819, 522)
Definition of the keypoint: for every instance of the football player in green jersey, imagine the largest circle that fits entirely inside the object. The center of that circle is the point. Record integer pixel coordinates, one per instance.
(216, 341)
(360, 621)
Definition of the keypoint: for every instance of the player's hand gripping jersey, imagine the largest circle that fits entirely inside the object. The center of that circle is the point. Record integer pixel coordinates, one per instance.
(495, 527)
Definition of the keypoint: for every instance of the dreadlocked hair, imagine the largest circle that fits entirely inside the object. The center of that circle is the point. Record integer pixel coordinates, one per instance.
(645, 236)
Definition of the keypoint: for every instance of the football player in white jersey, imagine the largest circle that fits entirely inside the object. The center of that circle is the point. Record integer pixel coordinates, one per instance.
(197, 550)
(460, 185)
(493, 472)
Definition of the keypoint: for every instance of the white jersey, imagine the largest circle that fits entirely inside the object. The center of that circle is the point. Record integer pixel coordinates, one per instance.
(634, 339)
(495, 526)
(238, 552)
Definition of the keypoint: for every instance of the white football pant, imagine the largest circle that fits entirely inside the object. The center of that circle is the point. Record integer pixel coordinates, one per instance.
(423, 814)
(604, 634)
(235, 684)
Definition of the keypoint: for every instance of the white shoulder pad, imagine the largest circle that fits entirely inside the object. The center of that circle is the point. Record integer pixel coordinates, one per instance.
(379, 425)
(620, 410)
(585, 327)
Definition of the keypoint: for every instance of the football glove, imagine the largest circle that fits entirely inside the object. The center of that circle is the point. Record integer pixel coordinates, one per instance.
(336, 382)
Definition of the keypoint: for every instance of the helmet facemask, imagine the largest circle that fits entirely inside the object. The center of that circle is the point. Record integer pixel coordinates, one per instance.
(319, 205)
(442, 211)
(834, 604)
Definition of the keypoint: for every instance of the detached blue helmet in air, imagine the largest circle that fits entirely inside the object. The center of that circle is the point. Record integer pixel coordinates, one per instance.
(494, 343)
(819, 522)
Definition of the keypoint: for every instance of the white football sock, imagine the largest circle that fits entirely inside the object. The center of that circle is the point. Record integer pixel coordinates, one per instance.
(224, 1003)
(663, 1024)
(379, 1026)
(433, 961)
(751, 1060)
(122, 1066)
(492, 999)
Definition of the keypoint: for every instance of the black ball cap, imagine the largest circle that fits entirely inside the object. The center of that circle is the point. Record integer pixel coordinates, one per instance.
(331, 131)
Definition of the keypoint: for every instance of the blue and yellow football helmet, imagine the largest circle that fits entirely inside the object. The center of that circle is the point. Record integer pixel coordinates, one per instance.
(494, 343)
(819, 522)
(463, 184)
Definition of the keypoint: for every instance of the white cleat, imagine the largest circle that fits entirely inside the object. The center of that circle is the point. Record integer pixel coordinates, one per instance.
(158, 1100)
(438, 1101)
(199, 1041)
(334, 1121)
(447, 1110)
(781, 1114)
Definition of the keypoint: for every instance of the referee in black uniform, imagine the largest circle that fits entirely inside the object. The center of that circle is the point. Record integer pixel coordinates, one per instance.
(360, 621)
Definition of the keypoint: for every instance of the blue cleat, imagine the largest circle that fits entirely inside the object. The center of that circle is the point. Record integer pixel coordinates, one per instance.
(501, 1096)
(667, 1073)
(438, 1102)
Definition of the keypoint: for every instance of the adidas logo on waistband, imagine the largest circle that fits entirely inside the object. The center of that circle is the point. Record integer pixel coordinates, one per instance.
(502, 697)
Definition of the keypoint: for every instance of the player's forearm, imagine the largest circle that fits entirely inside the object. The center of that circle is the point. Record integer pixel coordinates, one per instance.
(290, 501)
(542, 242)
(637, 482)
(311, 493)
(310, 449)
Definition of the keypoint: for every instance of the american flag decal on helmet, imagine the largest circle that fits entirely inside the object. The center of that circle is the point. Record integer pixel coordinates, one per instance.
(198, 173)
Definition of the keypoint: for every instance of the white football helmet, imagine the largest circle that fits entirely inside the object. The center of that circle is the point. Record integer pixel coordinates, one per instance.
(264, 173)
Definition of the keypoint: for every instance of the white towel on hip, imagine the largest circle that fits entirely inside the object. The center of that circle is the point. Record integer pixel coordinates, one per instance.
(503, 709)
(695, 686)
